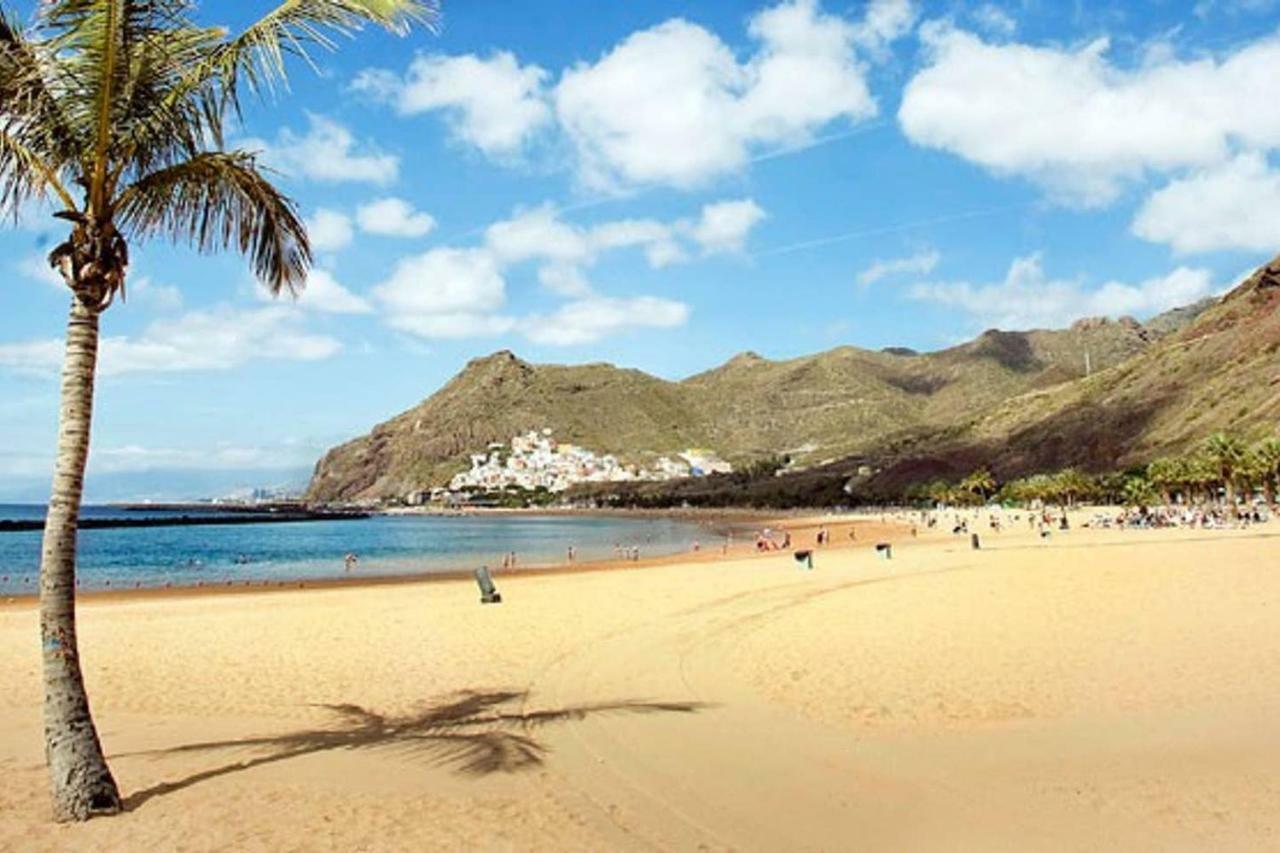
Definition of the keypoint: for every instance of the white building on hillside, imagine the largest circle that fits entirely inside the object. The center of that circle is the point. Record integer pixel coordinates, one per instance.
(536, 460)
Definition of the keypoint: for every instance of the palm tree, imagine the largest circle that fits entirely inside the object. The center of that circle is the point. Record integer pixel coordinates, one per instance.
(1137, 491)
(1070, 484)
(939, 491)
(113, 112)
(980, 483)
(1266, 454)
(1201, 475)
(1038, 487)
(1226, 453)
(1168, 474)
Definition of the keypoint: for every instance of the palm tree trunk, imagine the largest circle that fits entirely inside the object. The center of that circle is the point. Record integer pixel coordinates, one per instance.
(81, 781)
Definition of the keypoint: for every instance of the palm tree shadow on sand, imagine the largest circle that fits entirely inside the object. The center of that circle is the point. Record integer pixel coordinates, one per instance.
(476, 733)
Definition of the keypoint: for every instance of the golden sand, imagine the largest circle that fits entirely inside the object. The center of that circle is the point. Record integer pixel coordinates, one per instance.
(1098, 690)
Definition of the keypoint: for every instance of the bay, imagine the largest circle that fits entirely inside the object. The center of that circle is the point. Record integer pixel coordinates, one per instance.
(386, 545)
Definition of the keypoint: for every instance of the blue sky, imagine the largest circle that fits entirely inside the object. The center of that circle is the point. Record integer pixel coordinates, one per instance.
(661, 185)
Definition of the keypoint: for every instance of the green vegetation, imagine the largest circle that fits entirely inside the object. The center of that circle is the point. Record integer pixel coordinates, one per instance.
(1220, 466)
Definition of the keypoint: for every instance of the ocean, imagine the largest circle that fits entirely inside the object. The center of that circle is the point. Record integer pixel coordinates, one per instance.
(154, 557)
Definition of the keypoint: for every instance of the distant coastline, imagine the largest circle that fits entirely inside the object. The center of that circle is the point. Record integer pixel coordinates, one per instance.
(194, 515)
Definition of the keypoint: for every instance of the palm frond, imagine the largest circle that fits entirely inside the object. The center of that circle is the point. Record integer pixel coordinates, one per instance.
(218, 200)
(256, 57)
(25, 176)
(165, 121)
(36, 144)
(98, 44)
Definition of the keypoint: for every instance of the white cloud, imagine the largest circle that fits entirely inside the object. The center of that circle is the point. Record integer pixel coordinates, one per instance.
(457, 293)
(445, 293)
(588, 320)
(1232, 206)
(654, 110)
(324, 294)
(494, 104)
(1079, 125)
(393, 217)
(164, 298)
(329, 230)
(538, 233)
(673, 105)
(36, 268)
(885, 22)
(564, 249)
(995, 20)
(564, 279)
(32, 356)
(217, 339)
(1028, 298)
(624, 233)
(664, 253)
(724, 226)
(921, 263)
(328, 152)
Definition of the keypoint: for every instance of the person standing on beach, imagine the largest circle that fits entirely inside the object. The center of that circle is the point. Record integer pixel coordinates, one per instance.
(350, 561)
(573, 553)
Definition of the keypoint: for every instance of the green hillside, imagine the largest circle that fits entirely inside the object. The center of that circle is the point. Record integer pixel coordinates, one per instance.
(814, 409)
(1219, 371)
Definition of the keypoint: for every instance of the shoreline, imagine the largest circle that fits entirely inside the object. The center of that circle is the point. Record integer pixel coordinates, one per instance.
(798, 525)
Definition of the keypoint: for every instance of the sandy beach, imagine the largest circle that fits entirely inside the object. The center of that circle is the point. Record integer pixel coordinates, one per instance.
(1096, 690)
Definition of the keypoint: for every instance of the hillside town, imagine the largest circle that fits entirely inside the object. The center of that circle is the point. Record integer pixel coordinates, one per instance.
(536, 460)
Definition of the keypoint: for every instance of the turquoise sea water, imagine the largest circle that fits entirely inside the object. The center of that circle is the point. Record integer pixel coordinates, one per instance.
(128, 558)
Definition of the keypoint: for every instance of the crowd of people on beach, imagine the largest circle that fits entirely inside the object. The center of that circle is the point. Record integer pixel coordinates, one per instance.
(1203, 518)
(1045, 520)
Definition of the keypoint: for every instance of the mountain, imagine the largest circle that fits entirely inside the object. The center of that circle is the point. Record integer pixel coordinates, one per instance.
(815, 409)
(1214, 368)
